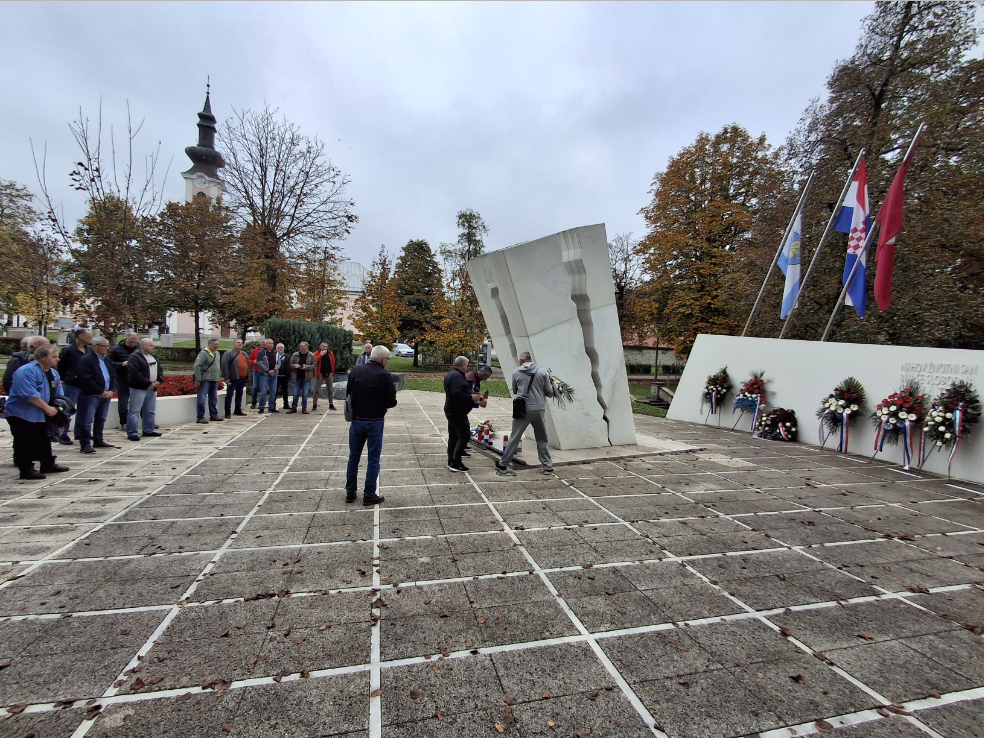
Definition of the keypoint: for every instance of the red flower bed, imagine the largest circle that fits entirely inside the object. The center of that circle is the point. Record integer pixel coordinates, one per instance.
(177, 386)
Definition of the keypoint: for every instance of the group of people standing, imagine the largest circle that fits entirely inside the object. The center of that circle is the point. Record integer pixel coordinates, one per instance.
(273, 370)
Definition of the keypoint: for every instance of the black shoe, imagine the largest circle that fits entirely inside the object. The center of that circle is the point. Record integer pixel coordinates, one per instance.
(292, 410)
(87, 449)
(32, 473)
(134, 437)
(227, 416)
(503, 471)
(103, 444)
(332, 407)
(466, 455)
(350, 496)
(54, 469)
(153, 434)
(253, 406)
(261, 411)
(240, 412)
(217, 419)
(459, 468)
(274, 410)
(374, 500)
(66, 441)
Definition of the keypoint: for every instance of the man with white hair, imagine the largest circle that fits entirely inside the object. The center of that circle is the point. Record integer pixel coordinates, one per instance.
(145, 374)
(372, 393)
(97, 380)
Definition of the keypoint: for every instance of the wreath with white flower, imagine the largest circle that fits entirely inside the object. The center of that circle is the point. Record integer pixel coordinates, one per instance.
(752, 395)
(840, 411)
(717, 387)
(778, 424)
(951, 417)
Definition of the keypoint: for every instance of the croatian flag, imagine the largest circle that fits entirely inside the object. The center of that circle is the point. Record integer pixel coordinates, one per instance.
(789, 263)
(854, 220)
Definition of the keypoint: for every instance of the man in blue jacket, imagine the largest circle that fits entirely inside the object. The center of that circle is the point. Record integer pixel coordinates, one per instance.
(97, 379)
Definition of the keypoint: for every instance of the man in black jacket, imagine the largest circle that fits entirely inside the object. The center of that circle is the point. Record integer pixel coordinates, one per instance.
(372, 394)
(119, 355)
(97, 380)
(459, 399)
(68, 369)
(145, 374)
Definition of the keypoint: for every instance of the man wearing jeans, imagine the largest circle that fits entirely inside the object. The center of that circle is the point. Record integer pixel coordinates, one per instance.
(303, 364)
(145, 375)
(97, 378)
(69, 365)
(373, 393)
(206, 376)
(120, 355)
(235, 370)
(268, 363)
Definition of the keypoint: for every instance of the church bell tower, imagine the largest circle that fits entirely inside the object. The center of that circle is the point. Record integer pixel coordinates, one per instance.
(202, 180)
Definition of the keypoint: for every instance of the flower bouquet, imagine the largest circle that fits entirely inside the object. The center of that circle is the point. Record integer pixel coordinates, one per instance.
(751, 395)
(896, 417)
(951, 417)
(840, 411)
(717, 386)
(563, 392)
(778, 424)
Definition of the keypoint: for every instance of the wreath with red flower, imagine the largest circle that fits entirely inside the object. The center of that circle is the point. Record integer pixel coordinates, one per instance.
(751, 396)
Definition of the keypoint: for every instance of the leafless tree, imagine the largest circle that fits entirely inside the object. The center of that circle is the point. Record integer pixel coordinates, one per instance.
(281, 184)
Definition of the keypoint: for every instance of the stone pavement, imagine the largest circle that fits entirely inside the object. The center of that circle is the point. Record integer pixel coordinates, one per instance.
(213, 582)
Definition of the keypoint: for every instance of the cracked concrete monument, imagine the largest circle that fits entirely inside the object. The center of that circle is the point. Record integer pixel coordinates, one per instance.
(554, 297)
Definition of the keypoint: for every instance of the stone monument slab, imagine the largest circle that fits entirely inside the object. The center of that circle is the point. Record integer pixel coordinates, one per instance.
(554, 297)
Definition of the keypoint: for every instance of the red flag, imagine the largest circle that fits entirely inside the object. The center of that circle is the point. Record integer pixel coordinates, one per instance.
(890, 218)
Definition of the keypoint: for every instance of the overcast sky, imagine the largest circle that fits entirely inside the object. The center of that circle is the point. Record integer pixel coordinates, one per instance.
(540, 116)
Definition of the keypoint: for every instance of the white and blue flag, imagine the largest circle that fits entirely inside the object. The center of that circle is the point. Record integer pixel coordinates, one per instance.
(789, 263)
(855, 221)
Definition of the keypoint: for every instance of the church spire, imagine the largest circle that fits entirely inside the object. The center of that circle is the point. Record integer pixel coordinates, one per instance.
(205, 159)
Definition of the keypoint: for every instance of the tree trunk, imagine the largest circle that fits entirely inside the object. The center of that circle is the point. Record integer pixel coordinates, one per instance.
(198, 332)
(416, 343)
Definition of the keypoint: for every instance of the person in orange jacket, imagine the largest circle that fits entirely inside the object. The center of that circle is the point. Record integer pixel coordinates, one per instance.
(324, 372)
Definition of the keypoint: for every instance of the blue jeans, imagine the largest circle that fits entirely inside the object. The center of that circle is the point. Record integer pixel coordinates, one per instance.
(208, 388)
(142, 406)
(302, 390)
(72, 393)
(255, 379)
(90, 419)
(361, 432)
(268, 391)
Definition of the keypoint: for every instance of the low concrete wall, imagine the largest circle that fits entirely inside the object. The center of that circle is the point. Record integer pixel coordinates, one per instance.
(802, 373)
(170, 410)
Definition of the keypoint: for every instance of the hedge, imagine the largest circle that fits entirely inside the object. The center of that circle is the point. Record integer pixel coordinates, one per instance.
(9, 345)
(639, 368)
(292, 332)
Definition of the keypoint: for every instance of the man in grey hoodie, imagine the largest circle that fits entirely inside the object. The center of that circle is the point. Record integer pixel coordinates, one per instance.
(533, 385)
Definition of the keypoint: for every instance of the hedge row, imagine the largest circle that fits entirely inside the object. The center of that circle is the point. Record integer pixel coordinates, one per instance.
(292, 332)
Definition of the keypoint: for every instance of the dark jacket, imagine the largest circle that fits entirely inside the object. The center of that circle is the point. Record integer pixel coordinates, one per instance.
(267, 360)
(138, 371)
(372, 390)
(458, 393)
(69, 361)
(91, 380)
(118, 354)
(230, 364)
(16, 362)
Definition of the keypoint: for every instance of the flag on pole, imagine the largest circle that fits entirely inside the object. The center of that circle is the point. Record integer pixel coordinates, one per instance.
(789, 263)
(890, 217)
(855, 221)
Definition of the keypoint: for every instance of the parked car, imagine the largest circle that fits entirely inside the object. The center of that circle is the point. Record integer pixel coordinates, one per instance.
(403, 350)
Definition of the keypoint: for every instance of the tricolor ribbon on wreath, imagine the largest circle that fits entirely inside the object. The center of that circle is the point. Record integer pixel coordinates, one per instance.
(958, 422)
(743, 404)
(908, 436)
(842, 430)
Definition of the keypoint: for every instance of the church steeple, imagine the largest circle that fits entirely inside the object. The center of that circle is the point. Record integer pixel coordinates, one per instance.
(203, 176)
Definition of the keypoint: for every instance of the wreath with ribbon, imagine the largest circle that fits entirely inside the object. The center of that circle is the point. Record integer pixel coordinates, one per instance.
(840, 411)
(898, 418)
(951, 417)
(717, 387)
(778, 424)
(752, 395)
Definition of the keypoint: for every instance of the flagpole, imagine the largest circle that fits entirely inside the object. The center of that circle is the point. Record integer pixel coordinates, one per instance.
(848, 282)
(865, 247)
(824, 236)
(783, 242)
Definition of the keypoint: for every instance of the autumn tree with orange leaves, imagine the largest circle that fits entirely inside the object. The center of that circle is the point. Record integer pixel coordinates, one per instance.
(704, 208)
